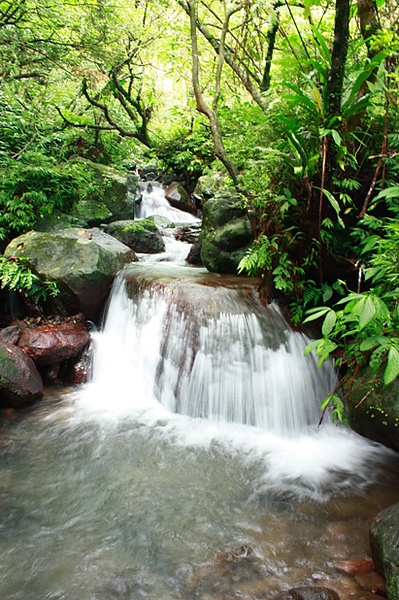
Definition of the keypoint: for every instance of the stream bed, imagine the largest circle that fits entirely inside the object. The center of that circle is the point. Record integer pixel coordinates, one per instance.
(101, 506)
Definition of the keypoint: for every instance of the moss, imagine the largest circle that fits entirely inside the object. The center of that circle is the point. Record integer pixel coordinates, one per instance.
(140, 227)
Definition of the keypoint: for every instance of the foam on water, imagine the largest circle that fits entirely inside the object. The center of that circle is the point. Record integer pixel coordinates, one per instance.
(218, 382)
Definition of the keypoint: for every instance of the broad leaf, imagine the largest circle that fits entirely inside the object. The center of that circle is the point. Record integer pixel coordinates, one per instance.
(392, 369)
(329, 322)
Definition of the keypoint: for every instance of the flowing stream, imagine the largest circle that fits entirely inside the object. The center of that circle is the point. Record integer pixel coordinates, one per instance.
(191, 466)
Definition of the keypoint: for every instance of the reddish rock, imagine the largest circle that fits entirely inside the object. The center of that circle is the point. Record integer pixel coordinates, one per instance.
(356, 566)
(372, 582)
(20, 381)
(309, 593)
(50, 344)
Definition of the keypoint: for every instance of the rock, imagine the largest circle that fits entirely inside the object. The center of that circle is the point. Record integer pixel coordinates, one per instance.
(140, 236)
(112, 200)
(226, 234)
(209, 185)
(226, 572)
(372, 582)
(20, 381)
(149, 172)
(83, 263)
(373, 409)
(194, 255)
(113, 204)
(188, 233)
(384, 542)
(178, 197)
(51, 344)
(356, 566)
(309, 593)
(11, 334)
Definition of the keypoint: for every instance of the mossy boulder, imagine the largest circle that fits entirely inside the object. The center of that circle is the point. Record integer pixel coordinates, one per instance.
(20, 381)
(384, 543)
(110, 201)
(140, 236)
(226, 233)
(83, 263)
(372, 408)
(209, 185)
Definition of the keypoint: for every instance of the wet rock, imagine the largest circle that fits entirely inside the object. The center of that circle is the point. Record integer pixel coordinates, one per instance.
(189, 234)
(141, 236)
(226, 233)
(226, 574)
(372, 582)
(83, 263)
(111, 203)
(20, 381)
(372, 408)
(356, 566)
(309, 593)
(51, 344)
(194, 256)
(176, 193)
(384, 542)
(11, 334)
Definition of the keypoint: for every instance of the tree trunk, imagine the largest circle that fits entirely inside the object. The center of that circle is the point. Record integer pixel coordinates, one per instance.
(338, 58)
(202, 106)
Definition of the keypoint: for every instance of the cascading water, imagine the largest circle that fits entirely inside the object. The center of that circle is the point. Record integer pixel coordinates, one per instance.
(208, 350)
(197, 436)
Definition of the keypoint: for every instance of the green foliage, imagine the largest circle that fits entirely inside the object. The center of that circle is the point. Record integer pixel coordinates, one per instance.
(33, 186)
(187, 152)
(16, 275)
(266, 255)
(366, 325)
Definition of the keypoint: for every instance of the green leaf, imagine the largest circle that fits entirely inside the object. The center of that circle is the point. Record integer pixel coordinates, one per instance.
(329, 322)
(312, 346)
(316, 313)
(392, 369)
(367, 313)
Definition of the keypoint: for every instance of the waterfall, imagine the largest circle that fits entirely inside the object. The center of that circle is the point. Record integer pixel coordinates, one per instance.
(196, 357)
(152, 201)
(210, 350)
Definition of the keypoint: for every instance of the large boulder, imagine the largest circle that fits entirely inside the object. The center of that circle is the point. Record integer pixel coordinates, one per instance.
(140, 236)
(83, 263)
(384, 542)
(226, 233)
(372, 408)
(111, 200)
(20, 381)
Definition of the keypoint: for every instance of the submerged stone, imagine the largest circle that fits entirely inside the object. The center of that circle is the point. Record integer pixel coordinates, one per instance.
(309, 593)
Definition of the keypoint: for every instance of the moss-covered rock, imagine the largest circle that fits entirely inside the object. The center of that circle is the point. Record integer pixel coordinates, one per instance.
(384, 543)
(226, 233)
(372, 408)
(111, 200)
(83, 263)
(140, 236)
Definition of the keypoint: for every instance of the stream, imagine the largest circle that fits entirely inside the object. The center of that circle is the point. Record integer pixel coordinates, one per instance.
(191, 465)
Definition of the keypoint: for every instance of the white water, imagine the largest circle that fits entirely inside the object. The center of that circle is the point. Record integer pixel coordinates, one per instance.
(206, 365)
(154, 203)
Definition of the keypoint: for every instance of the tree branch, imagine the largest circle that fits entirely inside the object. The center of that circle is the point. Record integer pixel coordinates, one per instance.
(201, 104)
